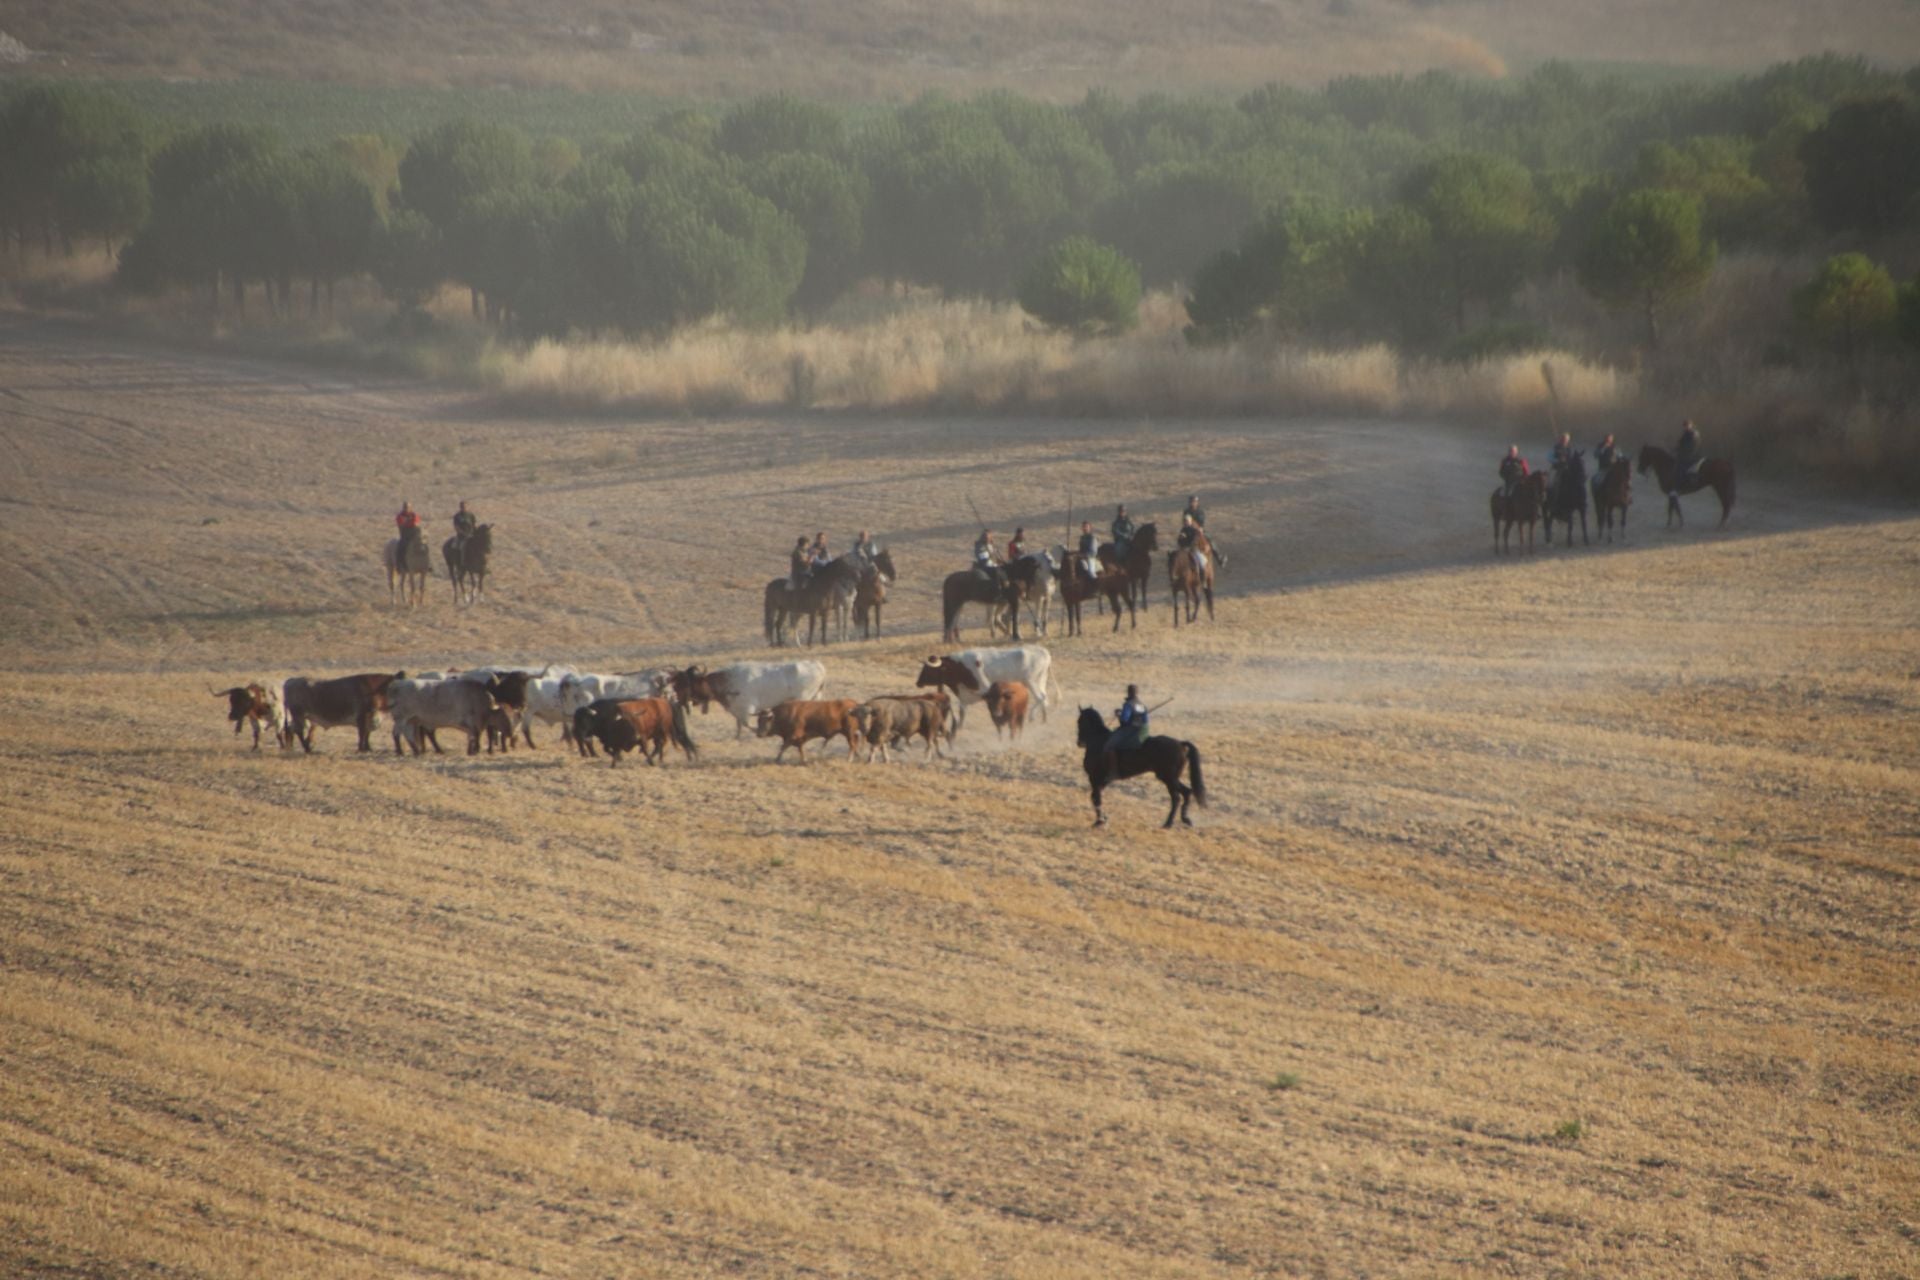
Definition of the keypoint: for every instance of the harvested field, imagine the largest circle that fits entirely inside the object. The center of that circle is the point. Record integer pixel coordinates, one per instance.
(1552, 916)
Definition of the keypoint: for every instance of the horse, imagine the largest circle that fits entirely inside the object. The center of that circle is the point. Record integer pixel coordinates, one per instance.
(1711, 473)
(1033, 579)
(1163, 757)
(1139, 561)
(967, 587)
(467, 563)
(1567, 496)
(1184, 577)
(1111, 586)
(830, 588)
(1522, 509)
(872, 593)
(408, 563)
(1613, 491)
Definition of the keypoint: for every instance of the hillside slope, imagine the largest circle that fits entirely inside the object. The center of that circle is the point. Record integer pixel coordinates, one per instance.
(1549, 917)
(867, 48)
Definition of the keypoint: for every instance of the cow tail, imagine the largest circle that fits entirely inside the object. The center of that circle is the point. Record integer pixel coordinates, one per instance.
(681, 737)
(1193, 770)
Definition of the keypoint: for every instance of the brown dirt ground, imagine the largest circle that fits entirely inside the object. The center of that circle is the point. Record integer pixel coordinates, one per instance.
(1625, 839)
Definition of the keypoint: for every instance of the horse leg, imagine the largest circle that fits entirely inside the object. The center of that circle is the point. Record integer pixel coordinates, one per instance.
(1173, 799)
(1099, 784)
(1209, 590)
(1584, 540)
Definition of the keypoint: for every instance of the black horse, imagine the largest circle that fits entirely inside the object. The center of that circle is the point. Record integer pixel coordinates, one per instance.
(1138, 563)
(1567, 495)
(467, 563)
(830, 588)
(1163, 757)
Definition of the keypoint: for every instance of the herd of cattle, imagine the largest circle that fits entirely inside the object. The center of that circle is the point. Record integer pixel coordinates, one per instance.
(647, 710)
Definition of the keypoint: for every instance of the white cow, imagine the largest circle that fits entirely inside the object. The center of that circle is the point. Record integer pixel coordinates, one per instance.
(745, 689)
(421, 706)
(969, 673)
(544, 702)
(582, 689)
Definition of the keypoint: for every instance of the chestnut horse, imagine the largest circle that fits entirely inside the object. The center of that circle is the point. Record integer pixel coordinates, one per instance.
(1712, 473)
(1163, 757)
(1184, 577)
(1522, 509)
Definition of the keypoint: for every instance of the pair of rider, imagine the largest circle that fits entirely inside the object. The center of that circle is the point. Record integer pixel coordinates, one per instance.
(807, 560)
(464, 521)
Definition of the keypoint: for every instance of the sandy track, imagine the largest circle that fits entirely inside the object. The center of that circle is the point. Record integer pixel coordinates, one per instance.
(1627, 838)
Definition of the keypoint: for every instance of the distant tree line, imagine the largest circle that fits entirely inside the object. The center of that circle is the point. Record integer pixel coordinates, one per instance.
(1401, 208)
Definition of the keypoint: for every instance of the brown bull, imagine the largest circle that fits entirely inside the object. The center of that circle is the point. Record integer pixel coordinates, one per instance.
(251, 703)
(1007, 703)
(325, 704)
(797, 722)
(899, 719)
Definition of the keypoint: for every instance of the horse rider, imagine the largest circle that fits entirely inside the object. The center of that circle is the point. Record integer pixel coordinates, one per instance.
(863, 551)
(1513, 469)
(818, 557)
(1193, 538)
(1200, 519)
(1123, 531)
(1016, 544)
(464, 523)
(797, 571)
(1130, 731)
(1605, 454)
(1562, 454)
(1089, 551)
(1686, 454)
(407, 518)
(986, 560)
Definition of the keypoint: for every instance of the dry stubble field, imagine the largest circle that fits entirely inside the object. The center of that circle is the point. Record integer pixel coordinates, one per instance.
(1551, 918)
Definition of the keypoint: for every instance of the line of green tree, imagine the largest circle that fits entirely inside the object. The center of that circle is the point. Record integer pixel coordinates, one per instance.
(1409, 208)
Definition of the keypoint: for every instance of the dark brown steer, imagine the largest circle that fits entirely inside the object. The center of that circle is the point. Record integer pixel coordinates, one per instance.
(325, 704)
(797, 722)
(621, 724)
(899, 719)
(251, 703)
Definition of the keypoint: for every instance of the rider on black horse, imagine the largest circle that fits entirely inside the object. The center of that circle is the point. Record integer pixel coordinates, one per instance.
(986, 561)
(1123, 531)
(797, 571)
(1089, 558)
(1130, 733)
(1686, 454)
(1605, 454)
(464, 523)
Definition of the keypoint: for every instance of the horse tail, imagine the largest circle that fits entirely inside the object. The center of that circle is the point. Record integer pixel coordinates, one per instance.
(1193, 771)
(681, 738)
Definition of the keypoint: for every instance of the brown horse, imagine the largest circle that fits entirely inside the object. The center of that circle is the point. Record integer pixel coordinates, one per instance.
(1111, 585)
(1613, 491)
(1712, 473)
(1188, 579)
(1522, 509)
(1139, 562)
(871, 593)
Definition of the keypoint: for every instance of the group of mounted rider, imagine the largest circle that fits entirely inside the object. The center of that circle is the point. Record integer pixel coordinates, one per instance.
(1525, 496)
(465, 552)
(822, 587)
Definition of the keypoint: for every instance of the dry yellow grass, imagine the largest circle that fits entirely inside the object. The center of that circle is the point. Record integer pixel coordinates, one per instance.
(1627, 837)
(982, 356)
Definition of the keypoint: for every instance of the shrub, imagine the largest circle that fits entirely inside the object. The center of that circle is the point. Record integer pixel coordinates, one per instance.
(1082, 284)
